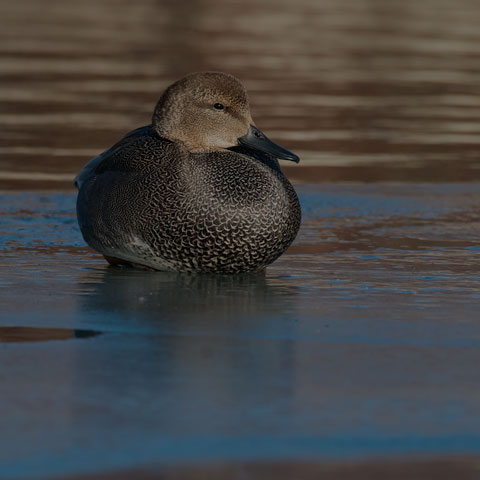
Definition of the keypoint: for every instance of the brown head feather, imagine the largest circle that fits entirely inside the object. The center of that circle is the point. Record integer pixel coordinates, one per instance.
(186, 111)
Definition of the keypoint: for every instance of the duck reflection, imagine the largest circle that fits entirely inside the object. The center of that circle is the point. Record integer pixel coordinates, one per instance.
(193, 353)
(157, 299)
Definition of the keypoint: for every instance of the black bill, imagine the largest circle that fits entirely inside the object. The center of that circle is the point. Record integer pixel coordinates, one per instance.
(256, 139)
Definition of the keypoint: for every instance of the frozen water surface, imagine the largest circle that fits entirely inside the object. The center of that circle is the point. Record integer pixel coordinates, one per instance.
(361, 341)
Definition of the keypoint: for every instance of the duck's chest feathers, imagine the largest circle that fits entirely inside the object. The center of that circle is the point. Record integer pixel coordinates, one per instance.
(219, 212)
(233, 188)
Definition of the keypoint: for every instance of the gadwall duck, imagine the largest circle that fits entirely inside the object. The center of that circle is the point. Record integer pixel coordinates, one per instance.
(200, 189)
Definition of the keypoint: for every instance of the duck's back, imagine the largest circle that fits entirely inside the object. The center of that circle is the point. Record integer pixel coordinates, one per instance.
(151, 202)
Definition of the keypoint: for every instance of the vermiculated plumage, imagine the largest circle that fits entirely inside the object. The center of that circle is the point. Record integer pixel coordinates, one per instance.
(151, 201)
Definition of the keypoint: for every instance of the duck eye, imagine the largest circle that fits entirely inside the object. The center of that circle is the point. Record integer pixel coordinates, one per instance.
(219, 106)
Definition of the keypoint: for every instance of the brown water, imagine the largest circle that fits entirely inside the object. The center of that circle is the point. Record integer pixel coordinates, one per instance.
(359, 346)
(361, 89)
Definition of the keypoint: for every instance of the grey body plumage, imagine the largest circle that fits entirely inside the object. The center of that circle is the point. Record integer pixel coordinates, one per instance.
(157, 202)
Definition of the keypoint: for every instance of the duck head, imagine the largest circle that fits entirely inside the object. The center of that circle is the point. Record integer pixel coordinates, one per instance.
(209, 111)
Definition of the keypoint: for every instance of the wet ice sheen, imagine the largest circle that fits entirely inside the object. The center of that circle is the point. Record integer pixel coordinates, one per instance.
(351, 345)
(9, 334)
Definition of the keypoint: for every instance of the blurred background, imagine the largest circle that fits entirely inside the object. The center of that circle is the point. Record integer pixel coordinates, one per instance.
(361, 89)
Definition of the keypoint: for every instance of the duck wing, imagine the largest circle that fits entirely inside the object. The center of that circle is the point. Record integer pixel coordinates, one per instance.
(91, 167)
